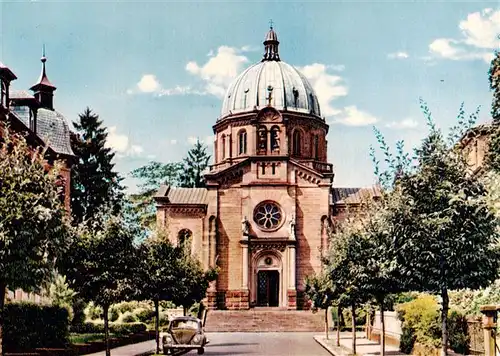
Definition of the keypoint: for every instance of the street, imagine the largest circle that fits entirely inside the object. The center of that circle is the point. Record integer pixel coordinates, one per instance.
(278, 344)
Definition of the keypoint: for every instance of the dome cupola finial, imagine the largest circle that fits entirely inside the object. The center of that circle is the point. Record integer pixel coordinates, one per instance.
(271, 44)
(44, 89)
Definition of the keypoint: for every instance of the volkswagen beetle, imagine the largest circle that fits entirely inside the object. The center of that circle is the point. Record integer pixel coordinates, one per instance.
(184, 334)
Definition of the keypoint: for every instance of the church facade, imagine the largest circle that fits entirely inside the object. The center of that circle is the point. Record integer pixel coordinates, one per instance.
(268, 204)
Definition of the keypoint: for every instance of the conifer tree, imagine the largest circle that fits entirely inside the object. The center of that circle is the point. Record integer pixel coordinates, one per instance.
(493, 155)
(194, 165)
(95, 185)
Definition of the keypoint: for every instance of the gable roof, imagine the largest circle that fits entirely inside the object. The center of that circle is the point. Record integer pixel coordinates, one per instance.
(178, 195)
(349, 195)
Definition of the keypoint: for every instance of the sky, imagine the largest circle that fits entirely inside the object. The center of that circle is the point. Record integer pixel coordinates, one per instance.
(156, 72)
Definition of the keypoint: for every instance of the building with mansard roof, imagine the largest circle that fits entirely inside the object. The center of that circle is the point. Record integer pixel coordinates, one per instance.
(263, 216)
(35, 117)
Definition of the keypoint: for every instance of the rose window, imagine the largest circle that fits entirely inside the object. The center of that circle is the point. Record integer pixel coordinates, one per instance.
(268, 216)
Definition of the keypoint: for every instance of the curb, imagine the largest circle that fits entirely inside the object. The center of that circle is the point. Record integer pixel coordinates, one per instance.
(328, 348)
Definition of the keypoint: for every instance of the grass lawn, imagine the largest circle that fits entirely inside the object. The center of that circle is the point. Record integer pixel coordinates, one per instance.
(85, 338)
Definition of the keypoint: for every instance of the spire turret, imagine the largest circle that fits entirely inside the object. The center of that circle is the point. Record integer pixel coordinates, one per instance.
(271, 44)
(44, 89)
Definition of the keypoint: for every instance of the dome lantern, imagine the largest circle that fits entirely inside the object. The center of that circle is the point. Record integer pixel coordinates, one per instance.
(271, 44)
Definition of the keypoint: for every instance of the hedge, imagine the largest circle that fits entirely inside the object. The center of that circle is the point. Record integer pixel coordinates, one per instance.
(28, 326)
(421, 323)
(115, 328)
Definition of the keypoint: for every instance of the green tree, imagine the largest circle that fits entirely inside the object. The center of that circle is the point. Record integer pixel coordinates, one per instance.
(192, 279)
(195, 163)
(95, 186)
(102, 265)
(157, 275)
(152, 176)
(443, 227)
(343, 265)
(34, 226)
(320, 289)
(62, 295)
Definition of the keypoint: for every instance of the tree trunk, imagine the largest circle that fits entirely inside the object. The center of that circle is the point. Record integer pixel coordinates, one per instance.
(382, 329)
(2, 303)
(157, 325)
(339, 313)
(326, 322)
(105, 309)
(184, 310)
(353, 311)
(444, 321)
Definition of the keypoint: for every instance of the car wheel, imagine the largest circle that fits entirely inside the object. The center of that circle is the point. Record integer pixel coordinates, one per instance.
(201, 351)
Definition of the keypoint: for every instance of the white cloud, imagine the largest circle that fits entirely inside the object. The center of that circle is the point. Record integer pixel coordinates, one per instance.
(403, 124)
(327, 86)
(116, 141)
(398, 55)
(208, 141)
(173, 141)
(336, 67)
(219, 71)
(149, 84)
(479, 38)
(352, 116)
(121, 144)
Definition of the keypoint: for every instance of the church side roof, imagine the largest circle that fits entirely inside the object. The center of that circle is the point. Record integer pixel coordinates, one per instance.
(354, 195)
(178, 195)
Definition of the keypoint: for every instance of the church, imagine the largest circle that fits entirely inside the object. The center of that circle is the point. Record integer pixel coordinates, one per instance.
(269, 201)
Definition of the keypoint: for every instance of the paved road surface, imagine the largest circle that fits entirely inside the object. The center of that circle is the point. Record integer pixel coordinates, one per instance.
(225, 344)
(263, 344)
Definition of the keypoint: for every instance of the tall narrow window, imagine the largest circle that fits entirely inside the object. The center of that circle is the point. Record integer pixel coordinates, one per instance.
(184, 238)
(296, 142)
(262, 139)
(275, 138)
(316, 147)
(223, 146)
(243, 142)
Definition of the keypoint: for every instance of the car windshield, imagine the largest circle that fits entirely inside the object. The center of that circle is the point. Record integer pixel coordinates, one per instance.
(184, 324)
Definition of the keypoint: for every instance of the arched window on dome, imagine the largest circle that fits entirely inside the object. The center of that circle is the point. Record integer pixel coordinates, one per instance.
(223, 146)
(296, 142)
(242, 139)
(275, 138)
(262, 139)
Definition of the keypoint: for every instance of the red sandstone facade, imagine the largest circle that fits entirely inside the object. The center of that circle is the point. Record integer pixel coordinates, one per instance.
(263, 216)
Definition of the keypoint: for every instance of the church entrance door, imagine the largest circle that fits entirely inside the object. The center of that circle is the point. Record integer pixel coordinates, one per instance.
(268, 288)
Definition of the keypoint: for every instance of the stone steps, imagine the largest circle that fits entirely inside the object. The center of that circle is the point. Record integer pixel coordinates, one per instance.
(262, 320)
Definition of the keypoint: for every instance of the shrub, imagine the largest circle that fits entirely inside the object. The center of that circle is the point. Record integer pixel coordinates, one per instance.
(128, 317)
(78, 312)
(407, 340)
(89, 327)
(28, 326)
(93, 311)
(126, 306)
(144, 315)
(113, 314)
(128, 328)
(360, 317)
(421, 323)
(458, 332)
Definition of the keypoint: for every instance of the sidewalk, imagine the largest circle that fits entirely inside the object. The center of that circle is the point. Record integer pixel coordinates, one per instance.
(364, 347)
(140, 348)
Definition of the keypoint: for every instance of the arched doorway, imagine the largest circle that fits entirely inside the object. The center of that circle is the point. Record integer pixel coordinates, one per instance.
(268, 287)
(268, 279)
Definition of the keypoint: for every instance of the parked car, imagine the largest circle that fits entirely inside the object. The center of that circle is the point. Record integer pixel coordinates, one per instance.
(185, 333)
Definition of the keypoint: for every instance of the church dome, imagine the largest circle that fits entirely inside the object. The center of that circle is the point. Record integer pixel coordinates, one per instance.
(270, 82)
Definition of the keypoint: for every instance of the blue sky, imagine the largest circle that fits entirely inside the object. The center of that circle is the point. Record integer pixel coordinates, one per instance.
(156, 71)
